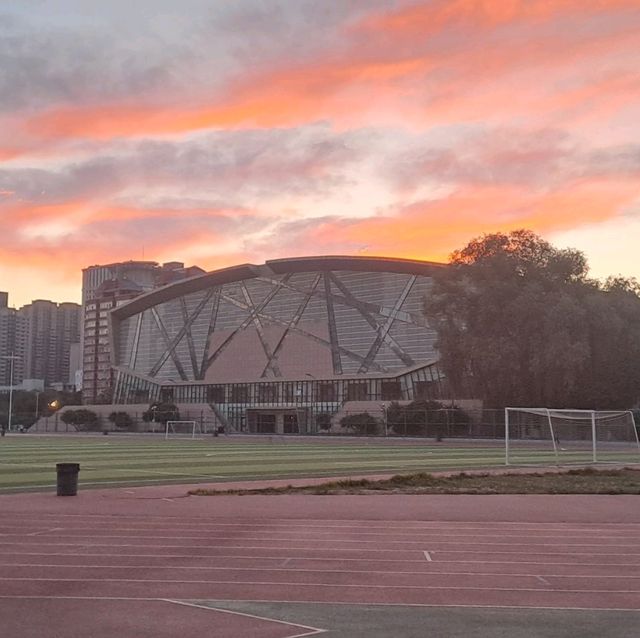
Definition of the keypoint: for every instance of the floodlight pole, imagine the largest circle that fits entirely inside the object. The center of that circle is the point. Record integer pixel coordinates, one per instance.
(11, 358)
(593, 436)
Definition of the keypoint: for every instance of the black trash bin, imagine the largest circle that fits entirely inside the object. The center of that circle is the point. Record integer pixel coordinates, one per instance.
(67, 474)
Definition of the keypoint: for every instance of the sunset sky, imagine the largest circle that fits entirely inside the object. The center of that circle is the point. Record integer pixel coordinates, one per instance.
(217, 132)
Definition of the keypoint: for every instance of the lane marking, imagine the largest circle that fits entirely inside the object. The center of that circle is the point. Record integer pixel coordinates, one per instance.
(427, 555)
(331, 549)
(312, 631)
(428, 573)
(331, 603)
(44, 531)
(315, 558)
(268, 583)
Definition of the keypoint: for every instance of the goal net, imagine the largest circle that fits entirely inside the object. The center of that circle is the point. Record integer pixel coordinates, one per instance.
(182, 430)
(545, 435)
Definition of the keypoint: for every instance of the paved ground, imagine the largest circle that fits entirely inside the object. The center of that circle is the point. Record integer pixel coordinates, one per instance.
(150, 562)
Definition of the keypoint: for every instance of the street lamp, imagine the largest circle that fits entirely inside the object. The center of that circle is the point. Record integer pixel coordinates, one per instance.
(11, 358)
(38, 393)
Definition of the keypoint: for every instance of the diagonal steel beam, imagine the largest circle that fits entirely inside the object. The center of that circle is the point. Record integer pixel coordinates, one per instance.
(308, 335)
(212, 326)
(191, 346)
(293, 322)
(370, 319)
(384, 330)
(173, 343)
(333, 330)
(253, 310)
(170, 351)
(403, 316)
(257, 323)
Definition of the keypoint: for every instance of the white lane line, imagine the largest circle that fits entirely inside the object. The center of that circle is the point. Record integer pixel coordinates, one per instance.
(330, 549)
(312, 559)
(428, 573)
(269, 583)
(359, 524)
(330, 603)
(311, 631)
(427, 555)
(42, 531)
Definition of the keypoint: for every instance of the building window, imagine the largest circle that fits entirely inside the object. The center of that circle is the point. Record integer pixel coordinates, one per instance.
(357, 391)
(326, 392)
(215, 394)
(267, 393)
(239, 394)
(391, 390)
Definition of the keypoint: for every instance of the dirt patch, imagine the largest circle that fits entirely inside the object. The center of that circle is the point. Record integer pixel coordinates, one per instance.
(576, 481)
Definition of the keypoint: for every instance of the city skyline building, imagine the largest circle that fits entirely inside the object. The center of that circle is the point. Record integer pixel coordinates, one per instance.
(40, 335)
(105, 287)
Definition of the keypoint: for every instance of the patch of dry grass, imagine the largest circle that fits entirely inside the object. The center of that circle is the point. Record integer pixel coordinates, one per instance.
(577, 481)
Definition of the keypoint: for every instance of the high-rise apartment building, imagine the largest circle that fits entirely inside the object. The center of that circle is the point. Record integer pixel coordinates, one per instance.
(40, 335)
(104, 288)
(49, 331)
(11, 343)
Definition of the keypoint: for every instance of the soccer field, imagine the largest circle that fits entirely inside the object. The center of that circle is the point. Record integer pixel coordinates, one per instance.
(28, 462)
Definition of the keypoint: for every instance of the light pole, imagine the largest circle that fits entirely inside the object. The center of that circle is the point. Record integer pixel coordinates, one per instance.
(38, 393)
(11, 358)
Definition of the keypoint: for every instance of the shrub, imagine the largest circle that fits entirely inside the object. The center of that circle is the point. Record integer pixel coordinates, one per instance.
(361, 423)
(161, 413)
(82, 419)
(121, 420)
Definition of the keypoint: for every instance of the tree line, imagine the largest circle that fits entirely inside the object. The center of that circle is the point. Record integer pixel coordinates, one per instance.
(521, 323)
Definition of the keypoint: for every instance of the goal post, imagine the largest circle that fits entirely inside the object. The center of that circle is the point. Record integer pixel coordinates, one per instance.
(182, 429)
(565, 436)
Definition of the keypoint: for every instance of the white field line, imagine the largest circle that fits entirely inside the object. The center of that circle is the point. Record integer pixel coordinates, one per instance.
(306, 558)
(392, 536)
(389, 545)
(269, 583)
(330, 603)
(332, 549)
(352, 523)
(281, 568)
(311, 631)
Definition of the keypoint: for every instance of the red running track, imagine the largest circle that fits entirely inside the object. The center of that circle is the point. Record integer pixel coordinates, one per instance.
(66, 562)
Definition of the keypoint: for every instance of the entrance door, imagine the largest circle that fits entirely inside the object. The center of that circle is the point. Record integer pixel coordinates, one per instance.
(266, 423)
(290, 423)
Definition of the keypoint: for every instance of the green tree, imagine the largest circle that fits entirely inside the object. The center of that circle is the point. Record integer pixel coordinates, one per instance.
(520, 323)
(121, 420)
(362, 423)
(161, 413)
(83, 419)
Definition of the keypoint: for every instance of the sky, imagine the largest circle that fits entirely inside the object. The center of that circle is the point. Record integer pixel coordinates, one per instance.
(223, 132)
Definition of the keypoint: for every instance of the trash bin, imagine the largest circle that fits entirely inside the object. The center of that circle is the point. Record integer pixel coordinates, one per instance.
(67, 474)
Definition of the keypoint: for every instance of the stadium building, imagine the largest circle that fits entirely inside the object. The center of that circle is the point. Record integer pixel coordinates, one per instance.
(281, 347)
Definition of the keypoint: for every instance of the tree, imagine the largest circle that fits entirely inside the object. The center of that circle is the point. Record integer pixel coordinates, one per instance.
(519, 323)
(121, 420)
(362, 423)
(161, 413)
(83, 419)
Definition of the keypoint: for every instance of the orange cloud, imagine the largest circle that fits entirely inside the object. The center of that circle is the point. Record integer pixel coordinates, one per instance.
(432, 229)
(427, 17)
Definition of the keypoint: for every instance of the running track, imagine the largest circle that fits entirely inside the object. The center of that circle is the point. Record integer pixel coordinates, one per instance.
(145, 563)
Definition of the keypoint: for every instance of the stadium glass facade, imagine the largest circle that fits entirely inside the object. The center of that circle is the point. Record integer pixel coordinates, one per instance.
(282, 346)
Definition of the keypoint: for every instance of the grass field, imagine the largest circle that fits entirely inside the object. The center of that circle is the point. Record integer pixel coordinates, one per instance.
(28, 461)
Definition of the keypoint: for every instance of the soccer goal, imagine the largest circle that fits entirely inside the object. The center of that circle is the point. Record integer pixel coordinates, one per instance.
(545, 435)
(182, 430)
